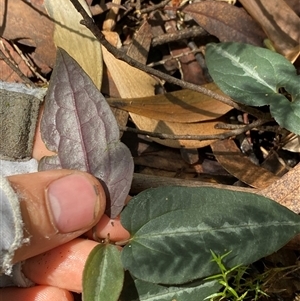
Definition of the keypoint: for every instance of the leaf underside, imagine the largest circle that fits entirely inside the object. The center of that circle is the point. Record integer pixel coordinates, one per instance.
(78, 124)
(253, 76)
(174, 229)
(103, 274)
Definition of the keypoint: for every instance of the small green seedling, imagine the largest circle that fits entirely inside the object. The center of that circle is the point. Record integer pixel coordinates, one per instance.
(235, 286)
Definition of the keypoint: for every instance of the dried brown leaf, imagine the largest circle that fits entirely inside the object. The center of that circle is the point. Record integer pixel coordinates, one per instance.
(227, 22)
(130, 82)
(189, 67)
(7, 74)
(293, 145)
(31, 27)
(75, 38)
(134, 83)
(280, 23)
(184, 106)
(158, 126)
(141, 43)
(230, 157)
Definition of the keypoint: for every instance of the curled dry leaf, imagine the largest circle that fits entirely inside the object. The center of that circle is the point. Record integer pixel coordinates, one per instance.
(79, 125)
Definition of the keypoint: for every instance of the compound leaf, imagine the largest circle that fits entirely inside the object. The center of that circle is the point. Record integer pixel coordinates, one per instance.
(174, 229)
(254, 76)
(78, 124)
(103, 274)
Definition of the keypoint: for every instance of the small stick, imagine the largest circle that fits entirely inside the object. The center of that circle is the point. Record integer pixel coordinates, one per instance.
(28, 64)
(161, 62)
(16, 69)
(154, 7)
(226, 135)
(142, 182)
(186, 33)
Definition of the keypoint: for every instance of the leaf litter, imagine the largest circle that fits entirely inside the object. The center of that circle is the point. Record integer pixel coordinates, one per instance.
(157, 158)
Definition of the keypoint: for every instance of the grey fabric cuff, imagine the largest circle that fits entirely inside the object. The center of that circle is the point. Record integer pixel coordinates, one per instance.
(16, 278)
(19, 109)
(11, 235)
(19, 115)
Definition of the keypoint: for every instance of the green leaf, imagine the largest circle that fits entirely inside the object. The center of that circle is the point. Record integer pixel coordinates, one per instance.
(174, 229)
(138, 290)
(103, 274)
(287, 114)
(253, 76)
(249, 74)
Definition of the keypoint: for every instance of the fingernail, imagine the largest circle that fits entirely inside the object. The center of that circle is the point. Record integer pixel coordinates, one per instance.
(73, 203)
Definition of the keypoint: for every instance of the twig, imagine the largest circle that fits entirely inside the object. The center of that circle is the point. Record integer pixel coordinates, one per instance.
(138, 6)
(29, 64)
(226, 126)
(16, 69)
(186, 33)
(142, 182)
(232, 133)
(161, 62)
(154, 7)
(89, 23)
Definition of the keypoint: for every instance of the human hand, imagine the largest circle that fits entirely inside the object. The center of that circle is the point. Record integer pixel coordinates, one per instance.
(55, 257)
(57, 206)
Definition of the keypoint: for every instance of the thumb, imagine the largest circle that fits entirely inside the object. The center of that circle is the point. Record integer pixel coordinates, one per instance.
(56, 207)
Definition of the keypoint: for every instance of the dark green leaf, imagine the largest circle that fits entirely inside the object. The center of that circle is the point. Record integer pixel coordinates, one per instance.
(103, 274)
(287, 114)
(174, 229)
(138, 290)
(253, 76)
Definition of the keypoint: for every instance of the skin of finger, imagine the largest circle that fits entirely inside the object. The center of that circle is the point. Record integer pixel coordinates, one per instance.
(61, 267)
(109, 228)
(36, 293)
(38, 227)
(39, 148)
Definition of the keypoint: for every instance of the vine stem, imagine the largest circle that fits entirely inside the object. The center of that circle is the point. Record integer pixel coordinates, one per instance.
(89, 23)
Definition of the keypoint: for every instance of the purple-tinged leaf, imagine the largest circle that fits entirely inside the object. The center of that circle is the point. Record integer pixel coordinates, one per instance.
(79, 126)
